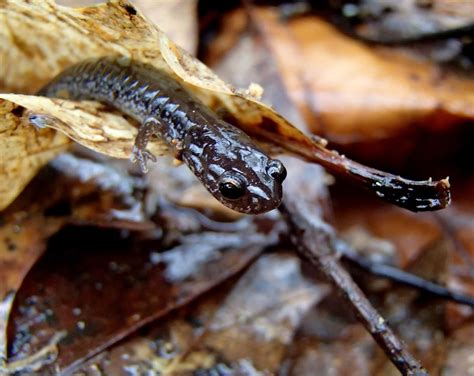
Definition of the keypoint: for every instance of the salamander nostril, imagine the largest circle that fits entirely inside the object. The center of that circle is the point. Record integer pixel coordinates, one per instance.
(276, 170)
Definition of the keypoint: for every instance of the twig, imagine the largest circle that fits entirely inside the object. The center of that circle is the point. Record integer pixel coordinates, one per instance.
(458, 32)
(401, 276)
(313, 240)
(293, 10)
(424, 195)
(414, 195)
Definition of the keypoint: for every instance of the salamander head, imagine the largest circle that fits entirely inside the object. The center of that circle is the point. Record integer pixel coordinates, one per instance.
(233, 169)
(253, 187)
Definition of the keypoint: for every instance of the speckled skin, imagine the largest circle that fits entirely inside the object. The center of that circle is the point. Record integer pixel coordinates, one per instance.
(217, 152)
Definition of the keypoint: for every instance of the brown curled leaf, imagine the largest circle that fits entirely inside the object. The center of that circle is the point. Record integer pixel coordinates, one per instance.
(22, 242)
(378, 104)
(117, 28)
(102, 291)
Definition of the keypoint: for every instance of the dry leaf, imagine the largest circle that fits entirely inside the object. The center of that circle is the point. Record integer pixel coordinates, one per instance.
(111, 29)
(22, 242)
(248, 328)
(460, 359)
(83, 192)
(177, 18)
(101, 286)
(371, 101)
(258, 319)
(23, 151)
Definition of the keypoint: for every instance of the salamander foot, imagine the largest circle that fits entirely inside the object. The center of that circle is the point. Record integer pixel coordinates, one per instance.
(142, 156)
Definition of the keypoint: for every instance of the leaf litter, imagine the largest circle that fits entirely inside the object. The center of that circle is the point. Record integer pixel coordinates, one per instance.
(157, 349)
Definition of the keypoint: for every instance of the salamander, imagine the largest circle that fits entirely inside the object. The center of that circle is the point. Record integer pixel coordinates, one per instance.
(226, 161)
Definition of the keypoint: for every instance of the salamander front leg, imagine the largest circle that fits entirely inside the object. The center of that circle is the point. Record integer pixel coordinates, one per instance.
(150, 127)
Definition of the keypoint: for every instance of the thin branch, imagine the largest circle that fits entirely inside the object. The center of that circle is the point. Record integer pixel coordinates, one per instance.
(401, 276)
(313, 240)
(458, 32)
(414, 195)
(423, 195)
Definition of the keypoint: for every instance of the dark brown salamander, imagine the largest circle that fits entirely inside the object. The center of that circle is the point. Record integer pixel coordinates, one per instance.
(224, 158)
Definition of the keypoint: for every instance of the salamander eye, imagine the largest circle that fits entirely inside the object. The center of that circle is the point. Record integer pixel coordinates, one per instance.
(276, 170)
(232, 188)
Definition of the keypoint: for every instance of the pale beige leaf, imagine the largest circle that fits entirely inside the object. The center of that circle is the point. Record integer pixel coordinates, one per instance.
(23, 151)
(177, 18)
(39, 39)
(107, 132)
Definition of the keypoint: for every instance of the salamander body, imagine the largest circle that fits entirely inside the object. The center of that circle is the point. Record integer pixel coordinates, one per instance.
(223, 157)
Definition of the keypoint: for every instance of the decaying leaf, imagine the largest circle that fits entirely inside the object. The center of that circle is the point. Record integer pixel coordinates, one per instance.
(101, 286)
(405, 236)
(117, 28)
(103, 131)
(248, 328)
(164, 14)
(83, 192)
(376, 103)
(459, 360)
(260, 315)
(22, 242)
